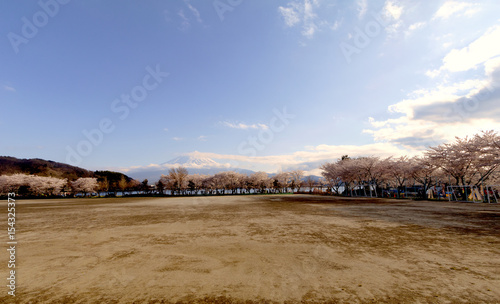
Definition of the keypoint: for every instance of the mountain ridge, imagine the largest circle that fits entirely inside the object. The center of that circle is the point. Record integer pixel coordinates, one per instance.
(36, 166)
(191, 161)
(194, 165)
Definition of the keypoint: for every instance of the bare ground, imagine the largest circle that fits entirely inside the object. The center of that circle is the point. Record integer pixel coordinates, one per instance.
(255, 249)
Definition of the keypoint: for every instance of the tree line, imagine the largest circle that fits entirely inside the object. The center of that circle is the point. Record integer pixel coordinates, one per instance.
(469, 161)
(23, 184)
(465, 162)
(177, 182)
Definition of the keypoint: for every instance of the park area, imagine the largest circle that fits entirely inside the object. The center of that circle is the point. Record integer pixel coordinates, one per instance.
(256, 249)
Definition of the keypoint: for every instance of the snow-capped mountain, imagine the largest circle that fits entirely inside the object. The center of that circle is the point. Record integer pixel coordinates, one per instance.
(194, 162)
(194, 165)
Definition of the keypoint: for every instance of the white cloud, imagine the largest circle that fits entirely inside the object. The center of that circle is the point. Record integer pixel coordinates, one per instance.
(492, 66)
(336, 25)
(202, 138)
(165, 129)
(433, 116)
(416, 26)
(393, 10)
(315, 155)
(177, 138)
(302, 13)
(362, 8)
(413, 27)
(441, 93)
(309, 30)
(420, 134)
(308, 4)
(290, 16)
(243, 126)
(479, 51)
(433, 73)
(310, 158)
(446, 45)
(450, 8)
(392, 13)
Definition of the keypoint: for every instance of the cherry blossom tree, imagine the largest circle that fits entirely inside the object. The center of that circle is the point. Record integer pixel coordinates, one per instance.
(176, 180)
(85, 185)
(282, 181)
(195, 182)
(470, 161)
(296, 177)
(31, 184)
(260, 181)
(399, 171)
(424, 172)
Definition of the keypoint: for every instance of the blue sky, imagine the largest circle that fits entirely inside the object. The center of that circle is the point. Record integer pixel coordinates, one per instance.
(259, 84)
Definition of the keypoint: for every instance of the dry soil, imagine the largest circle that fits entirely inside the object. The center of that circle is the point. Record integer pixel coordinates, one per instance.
(255, 249)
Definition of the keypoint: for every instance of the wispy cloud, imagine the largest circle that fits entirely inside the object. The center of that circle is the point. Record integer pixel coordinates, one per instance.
(303, 14)
(193, 10)
(244, 126)
(8, 88)
(336, 25)
(202, 138)
(185, 24)
(177, 138)
(290, 16)
(185, 18)
(458, 8)
(309, 16)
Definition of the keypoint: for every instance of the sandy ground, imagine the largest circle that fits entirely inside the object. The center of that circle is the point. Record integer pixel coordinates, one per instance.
(255, 249)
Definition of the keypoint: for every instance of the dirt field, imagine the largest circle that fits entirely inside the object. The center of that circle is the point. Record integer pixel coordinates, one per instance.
(255, 249)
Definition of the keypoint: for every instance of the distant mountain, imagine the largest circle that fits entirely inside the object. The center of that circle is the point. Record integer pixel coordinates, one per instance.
(193, 162)
(194, 165)
(11, 165)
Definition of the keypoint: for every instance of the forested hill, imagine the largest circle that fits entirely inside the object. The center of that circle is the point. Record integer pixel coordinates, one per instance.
(11, 165)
